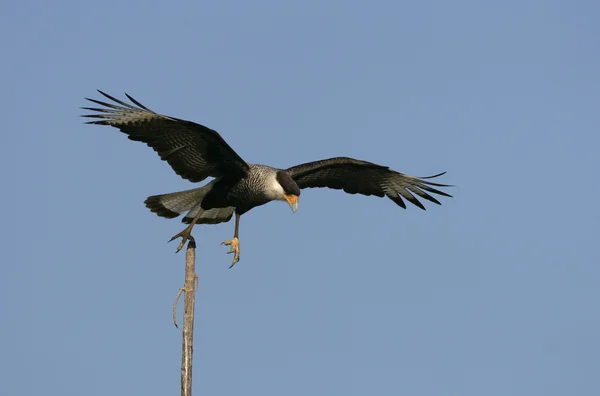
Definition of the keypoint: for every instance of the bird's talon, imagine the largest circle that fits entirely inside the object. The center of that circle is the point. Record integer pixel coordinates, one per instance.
(235, 248)
(185, 236)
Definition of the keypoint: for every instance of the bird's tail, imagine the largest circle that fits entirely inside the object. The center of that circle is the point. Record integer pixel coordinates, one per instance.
(174, 204)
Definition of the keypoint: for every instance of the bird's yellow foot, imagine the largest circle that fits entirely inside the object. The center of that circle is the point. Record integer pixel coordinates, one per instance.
(235, 248)
(185, 236)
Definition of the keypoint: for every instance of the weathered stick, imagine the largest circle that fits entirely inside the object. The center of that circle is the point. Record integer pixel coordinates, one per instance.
(187, 346)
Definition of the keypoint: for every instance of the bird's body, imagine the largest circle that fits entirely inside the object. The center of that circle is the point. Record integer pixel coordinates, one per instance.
(196, 152)
(258, 187)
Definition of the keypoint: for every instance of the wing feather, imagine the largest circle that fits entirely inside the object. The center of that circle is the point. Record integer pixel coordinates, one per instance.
(194, 151)
(366, 178)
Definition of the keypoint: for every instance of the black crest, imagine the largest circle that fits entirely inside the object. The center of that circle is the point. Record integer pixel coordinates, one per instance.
(288, 184)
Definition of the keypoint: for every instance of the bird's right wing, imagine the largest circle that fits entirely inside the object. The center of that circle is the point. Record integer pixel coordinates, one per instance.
(361, 177)
(194, 151)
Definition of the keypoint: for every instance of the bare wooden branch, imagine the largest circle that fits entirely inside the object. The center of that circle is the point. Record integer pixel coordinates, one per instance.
(187, 347)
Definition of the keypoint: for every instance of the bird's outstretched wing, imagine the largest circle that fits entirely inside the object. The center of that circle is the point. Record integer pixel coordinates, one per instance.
(361, 177)
(194, 151)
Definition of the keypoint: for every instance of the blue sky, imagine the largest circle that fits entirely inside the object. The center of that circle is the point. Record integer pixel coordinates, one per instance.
(493, 293)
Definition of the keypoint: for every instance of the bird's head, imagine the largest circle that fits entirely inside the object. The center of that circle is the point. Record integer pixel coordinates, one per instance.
(291, 191)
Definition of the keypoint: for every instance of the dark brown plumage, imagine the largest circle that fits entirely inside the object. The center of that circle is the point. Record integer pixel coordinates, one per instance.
(196, 152)
(361, 177)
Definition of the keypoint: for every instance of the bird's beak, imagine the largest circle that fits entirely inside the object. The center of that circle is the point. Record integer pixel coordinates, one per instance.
(292, 200)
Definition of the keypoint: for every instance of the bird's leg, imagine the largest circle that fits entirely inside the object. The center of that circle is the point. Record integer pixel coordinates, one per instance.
(186, 234)
(235, 242)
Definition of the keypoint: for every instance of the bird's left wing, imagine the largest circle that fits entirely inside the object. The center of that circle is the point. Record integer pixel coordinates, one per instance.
(194, 151)
(361, 177)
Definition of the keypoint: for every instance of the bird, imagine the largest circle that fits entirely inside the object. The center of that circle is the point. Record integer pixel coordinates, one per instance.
(196, 152)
